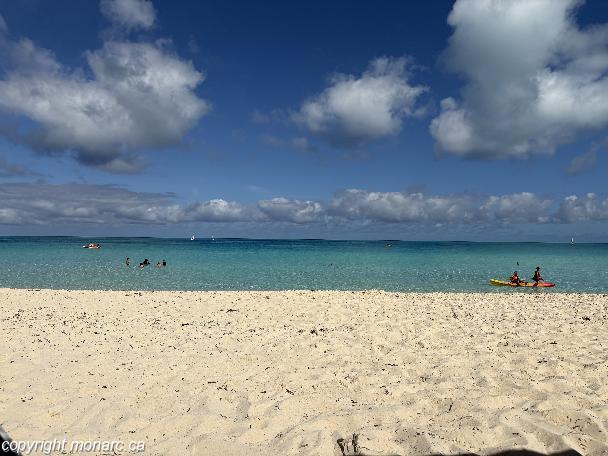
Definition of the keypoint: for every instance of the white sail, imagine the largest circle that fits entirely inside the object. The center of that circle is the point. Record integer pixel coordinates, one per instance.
(192, 238)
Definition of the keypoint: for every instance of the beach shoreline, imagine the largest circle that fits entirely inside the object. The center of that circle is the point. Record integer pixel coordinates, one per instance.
(292, 372)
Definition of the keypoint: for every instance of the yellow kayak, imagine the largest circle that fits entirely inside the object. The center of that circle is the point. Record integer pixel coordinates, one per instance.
(506, 283)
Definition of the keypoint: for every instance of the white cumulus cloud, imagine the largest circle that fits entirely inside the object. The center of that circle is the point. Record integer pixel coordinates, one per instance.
(404, 207)
(138, 96)
(534, 79)
(399, 207)
(295, 211)
(581, 209)
(354, 111)
(522, 207)
(129, 14)
(219, 210)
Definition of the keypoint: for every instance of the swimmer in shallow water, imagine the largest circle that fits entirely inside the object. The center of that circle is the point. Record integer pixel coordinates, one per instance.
(144, 263)
(128, 261)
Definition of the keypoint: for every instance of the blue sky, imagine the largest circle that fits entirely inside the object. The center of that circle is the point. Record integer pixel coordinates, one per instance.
(473, 119)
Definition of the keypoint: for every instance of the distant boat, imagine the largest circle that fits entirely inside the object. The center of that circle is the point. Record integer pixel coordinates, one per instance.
(572, 241)
(212, 238)
(192, 238)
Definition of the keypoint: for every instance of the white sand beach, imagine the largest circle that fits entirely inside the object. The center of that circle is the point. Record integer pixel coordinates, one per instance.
(290, 373)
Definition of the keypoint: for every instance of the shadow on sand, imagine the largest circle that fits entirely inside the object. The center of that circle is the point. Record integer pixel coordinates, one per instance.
(520, 453)
(351, 447)
(500, 453)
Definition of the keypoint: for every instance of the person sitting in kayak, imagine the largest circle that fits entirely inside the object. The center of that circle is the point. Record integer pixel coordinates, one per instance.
(537, 277)
(515, 278)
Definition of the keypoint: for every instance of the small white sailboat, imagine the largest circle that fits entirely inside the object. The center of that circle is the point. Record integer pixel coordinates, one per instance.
(192, 238)
(572, 241)
(212, 238)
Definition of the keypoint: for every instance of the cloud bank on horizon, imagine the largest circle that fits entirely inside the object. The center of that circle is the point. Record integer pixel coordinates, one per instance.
(38, 203)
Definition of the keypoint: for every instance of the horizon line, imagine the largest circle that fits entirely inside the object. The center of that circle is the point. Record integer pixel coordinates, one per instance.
(187, 238)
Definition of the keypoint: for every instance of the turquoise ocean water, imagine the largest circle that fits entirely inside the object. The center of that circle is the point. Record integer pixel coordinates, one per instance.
(242, 264)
